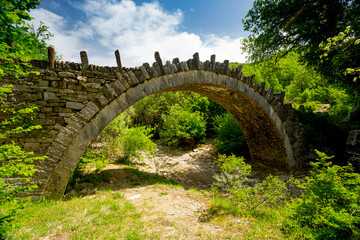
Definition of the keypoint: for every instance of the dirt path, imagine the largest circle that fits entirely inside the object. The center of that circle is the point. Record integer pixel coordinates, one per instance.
(171, 211)
(192, 168)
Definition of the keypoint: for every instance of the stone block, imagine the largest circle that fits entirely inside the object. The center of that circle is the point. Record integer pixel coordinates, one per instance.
(74, 105)
(65, 114)
(32, 96)
(43, 83)
(62, 110)
(46, 122)
(74, 87)
(62, 85)
(32, 147)
(93, 85)
(46, 109)
(66, 75)
(50, 78)
(54, 84)
(81, 78)
(50, 96)
(50, 73)
(58, 126)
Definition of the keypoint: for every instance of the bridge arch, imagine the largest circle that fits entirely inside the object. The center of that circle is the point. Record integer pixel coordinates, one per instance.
(265, 133)
(80, 100)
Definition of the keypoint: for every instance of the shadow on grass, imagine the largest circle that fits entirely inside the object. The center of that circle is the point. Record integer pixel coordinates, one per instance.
(115, 180)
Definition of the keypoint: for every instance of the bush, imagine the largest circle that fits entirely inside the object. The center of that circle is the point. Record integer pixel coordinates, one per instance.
(137, 139)
(329, 207)
(244, 191)
(229, 138)
(182, 127)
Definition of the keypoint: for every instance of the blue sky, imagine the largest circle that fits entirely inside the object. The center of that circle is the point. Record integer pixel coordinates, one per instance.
(175, 28)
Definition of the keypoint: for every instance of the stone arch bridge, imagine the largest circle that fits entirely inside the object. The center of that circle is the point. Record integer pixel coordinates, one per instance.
(77, 101)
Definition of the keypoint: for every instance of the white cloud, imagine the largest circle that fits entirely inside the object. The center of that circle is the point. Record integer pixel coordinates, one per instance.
(136, 30)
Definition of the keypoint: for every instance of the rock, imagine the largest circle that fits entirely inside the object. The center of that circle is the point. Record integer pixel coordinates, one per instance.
(137, 196)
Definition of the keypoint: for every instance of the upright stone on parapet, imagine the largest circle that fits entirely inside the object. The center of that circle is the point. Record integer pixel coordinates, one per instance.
(148, 69)
(145, 72)
(176, 61)
(269, 95)
(159, 61)
(84, 60)
(226, 67)
(196, 61)
(262, 88)
(213, 63)
(240, 71)
(51, 57)
(118, 60)
(252, 80)
(282, 97)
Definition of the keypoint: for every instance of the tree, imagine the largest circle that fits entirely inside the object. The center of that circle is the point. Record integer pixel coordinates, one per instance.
(281, 26)
(13, 14)
(18, 44)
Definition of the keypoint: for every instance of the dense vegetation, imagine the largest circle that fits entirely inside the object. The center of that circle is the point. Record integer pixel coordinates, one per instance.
(18, 43)
(324, 34)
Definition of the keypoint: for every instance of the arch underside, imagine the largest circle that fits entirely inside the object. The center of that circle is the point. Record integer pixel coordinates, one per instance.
(264, 132)
(263, 138)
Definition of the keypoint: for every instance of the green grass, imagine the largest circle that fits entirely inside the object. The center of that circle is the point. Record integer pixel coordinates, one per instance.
(106, 215)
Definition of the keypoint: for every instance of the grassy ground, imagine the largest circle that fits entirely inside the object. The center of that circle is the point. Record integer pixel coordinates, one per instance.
(165, 210)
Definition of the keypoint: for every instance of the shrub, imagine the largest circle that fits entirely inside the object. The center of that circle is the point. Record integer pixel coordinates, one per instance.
(229, 138)
(137, 139)
(182, 127)
(329, 207)
(244, 191)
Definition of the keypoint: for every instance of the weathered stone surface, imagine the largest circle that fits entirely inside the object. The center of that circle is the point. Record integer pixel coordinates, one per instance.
(66, 75)
(32, 147)
(84, 60)
(50, 96)
(74, 105)
(118, 60)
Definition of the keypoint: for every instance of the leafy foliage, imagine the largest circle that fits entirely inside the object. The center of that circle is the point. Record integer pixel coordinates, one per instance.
(182, 127)
(283, 26)
(303, 85)
(341, 50)
(244, 191)
(149, 111)
(119, 142)
(18, 44)
(329, 207)
(229, 137)
(16, 165)
(137, 139)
